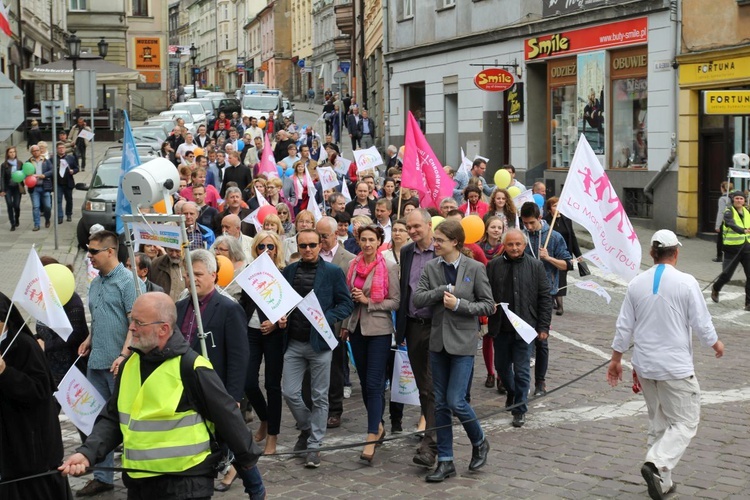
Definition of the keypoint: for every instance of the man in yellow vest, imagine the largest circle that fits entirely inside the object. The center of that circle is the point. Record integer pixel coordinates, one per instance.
(167, 407)
(736, 245)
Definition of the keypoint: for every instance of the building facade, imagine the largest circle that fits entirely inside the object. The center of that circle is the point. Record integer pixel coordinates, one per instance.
(302, 47)
(325, 61)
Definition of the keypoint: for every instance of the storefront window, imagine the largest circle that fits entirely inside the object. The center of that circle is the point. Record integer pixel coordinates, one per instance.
(564, 128)
(629, 111)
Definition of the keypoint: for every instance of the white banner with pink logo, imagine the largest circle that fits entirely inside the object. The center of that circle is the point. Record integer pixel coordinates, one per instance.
(268, 288)
(328, 179)
(310, 308)
(367, 159)
(595, 287)
(589, 199)
(79, 400)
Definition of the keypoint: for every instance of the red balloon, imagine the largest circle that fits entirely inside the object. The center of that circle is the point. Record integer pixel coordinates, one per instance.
(265, 212)
(30, 181)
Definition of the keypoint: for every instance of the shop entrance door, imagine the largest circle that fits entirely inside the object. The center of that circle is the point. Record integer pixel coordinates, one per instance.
(715, 160)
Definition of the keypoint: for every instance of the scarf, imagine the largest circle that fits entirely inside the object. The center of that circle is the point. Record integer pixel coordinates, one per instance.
(379, 287)
(489, 251)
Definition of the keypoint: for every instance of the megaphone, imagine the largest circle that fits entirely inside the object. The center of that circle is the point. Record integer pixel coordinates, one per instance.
(741, 160)
(150, 183)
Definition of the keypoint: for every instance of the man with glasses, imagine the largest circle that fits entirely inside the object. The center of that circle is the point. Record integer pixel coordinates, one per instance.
(206, 213)
(198, 236)
(186, 146)
(111, 298)
(306, 348)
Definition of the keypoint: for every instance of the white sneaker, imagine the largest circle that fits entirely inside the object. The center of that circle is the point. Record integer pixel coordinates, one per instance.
(347, 392)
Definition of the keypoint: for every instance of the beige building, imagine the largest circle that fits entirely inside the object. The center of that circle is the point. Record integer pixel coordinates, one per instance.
(302, 48)
(147, 46)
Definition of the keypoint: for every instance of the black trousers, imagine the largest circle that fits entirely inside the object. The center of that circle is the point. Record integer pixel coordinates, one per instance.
(270, 347)
(734, 256)
(418, 347)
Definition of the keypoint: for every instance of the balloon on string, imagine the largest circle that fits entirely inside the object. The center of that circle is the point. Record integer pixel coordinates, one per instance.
(502, 178)
(262, 124)
(473, 228)
(62, 280)
(514, 191)
(280, 171)
(28, 169)
(436, 219)
(265, 211)
(30, 181)
(160, 206)
(539, 200)
(289, 172)
(17, 176)
(225, 271)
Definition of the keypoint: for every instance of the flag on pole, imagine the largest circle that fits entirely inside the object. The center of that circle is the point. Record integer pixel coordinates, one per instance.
(527, 333)
(345, 191)
(130, 160)
(596, 259)
(79, 400)
(37, 296)
(310, 309)
(465, 168)
(595, 287)
(267, 162)
(525, 197)
(589, 199)
(422, 171)
(262, 201)
(268, 288)
(367, 159)
(5, 20)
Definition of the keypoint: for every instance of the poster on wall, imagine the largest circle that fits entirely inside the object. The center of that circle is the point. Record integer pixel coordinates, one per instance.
(591, 67)
(148, 61)
(514, 103)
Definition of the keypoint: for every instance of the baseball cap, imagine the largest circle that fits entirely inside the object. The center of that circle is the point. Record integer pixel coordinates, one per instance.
(664, 238)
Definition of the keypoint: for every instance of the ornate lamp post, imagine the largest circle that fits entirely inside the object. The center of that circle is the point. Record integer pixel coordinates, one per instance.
(74, 49)
(103, 49)
(193, 56)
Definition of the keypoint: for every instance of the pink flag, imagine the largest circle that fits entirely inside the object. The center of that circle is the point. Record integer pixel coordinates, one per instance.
(267, 162)
(422, 171)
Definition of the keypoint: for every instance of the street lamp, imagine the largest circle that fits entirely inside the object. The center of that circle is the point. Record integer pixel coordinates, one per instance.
(103, 49)
(193, 56)
(178, 52)
(74, 49)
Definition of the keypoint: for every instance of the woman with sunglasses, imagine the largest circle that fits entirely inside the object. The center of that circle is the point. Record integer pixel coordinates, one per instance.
(285, 217)
(266, 342)
(375, 289)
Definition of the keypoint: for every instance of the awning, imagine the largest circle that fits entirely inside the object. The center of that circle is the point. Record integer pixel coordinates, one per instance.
(62, 71)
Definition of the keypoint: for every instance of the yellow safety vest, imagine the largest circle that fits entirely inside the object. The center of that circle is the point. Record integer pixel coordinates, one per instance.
(732, 238)
(156, 437)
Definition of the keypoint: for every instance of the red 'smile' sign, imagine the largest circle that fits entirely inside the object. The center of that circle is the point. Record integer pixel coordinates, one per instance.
(494, 80)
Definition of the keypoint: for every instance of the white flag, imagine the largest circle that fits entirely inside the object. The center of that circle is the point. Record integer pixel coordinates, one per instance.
(345, 191)
(596, 259)
(328, 178)
(403, 383)
(311, 189)
(465, 168)
(262, 202)
(342, 166)
(589, 199)
(268, 288)
(35, 294)
(79, 400)
(468, 209)
(252, 218)
(522, 198)
(592, 286)
(310, 308)
(524, 329)
(367, 159)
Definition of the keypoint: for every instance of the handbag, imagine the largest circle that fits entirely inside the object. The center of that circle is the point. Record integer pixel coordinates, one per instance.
(583, 269)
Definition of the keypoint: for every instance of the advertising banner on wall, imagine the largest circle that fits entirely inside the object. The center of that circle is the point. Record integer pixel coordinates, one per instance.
(591, 84)
(563, 7)
(148, 61)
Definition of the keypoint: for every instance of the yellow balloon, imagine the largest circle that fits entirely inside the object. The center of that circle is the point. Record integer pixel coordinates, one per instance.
(62, 280)
(262, 124)
(502, 178)
(473, 228)
(225, 272)
(436, 219)
(514, 191)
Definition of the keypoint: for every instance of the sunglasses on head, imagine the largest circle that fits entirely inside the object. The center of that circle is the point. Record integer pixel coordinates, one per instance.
(263, 246)
(305, 246)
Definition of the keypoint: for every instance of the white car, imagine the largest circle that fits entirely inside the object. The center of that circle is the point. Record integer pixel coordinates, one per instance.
(194, 108)
(258, 105)
(185, 115)
(199, 92)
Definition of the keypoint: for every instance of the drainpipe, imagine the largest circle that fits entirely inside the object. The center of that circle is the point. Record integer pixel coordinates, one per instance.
(387, 84)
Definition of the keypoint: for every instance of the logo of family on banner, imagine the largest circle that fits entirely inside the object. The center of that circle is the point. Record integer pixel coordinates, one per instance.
(403, 384)
(595, 287)
(589, 199)
(265, 285)
(328, 179)
(157, 234)
(80, 401)
(310, 308)
(596, 259)
(367, 159)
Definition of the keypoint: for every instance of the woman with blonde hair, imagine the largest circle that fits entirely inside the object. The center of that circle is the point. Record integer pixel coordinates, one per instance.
(272, 222)
(266, 342)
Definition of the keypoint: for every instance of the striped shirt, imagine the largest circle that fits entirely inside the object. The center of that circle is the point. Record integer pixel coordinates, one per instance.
(111, 298)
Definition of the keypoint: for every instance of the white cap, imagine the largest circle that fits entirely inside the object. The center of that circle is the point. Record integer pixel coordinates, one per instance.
(96, 228)
(664, 238)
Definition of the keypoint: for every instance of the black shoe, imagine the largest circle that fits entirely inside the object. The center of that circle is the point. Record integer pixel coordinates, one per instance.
(46, 224)
(301, 444)
(540, 389)
(518, 420)
(396, 427)
(479, 455)
(500, 386)
(424, 459)
(717, 259)
(69, 218)
(59, 221)
(651, 474)
(12, 228)
(94, 487)
(444, 471)
(714, 295)
(509, 401)
(313, 460)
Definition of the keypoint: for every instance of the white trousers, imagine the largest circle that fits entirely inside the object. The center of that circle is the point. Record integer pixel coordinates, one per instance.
(674, 408)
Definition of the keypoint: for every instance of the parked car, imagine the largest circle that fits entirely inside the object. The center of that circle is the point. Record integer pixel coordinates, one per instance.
(185, 115)
(249, 88)
(165, 122)
(258, 105)
(199, 92)
(143, 150)
(208, 106)
(229, 106)
(101, 197)
(194, 108)
(288, 110)
(153, 136)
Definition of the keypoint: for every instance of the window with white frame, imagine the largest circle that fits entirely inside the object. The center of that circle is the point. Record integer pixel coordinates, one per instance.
(445, 4)
(140, 8)
(77, 4)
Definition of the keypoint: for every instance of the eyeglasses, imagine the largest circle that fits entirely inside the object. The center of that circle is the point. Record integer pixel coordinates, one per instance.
(394, 230)
(141, 324)
(305, 246)
(262, 246)
(95, 251)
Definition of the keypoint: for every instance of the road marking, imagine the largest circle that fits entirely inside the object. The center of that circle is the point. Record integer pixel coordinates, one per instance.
(587, 347)
(723, 296)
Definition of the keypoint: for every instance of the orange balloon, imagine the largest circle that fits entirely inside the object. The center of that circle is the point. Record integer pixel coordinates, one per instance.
(225, 273)
(199, 152)
(262, 124)
(161, 208)
(473, 228)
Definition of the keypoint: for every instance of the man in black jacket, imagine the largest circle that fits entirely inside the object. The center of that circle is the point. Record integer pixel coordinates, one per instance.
(68, 166)
(202, 396)
(235, 172)
(521, 281)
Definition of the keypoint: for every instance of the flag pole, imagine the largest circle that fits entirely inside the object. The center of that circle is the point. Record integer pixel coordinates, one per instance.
(551, 225)
(71, 367)
(398, 212)
(8, 315)
(14, 338)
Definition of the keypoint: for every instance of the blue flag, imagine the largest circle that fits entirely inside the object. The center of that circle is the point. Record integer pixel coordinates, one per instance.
(130, 160)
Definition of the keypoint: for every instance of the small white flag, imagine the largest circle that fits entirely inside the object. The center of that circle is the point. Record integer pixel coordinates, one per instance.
(367, 159)
(465, 168)
(79, 400)
(596, 259)
(403, 383)
(310, 308)
(35, 294)
(328, 178)
(345, 191)
(342, 166)
(486, 160)
(524, 329)
(522, 198)
(268, 288)
(262, 201)
(592, 286)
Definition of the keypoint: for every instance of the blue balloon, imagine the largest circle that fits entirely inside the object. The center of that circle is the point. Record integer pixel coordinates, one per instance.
(539, 199)
(280, 171)
(289, 172)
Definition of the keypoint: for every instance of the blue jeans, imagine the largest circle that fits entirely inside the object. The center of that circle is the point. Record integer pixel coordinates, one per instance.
(542, 360)
(450, 378)
(104, 382)
(40, 199)
(252, 481)
(371, 358)
(13, 201)
(513, 366)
